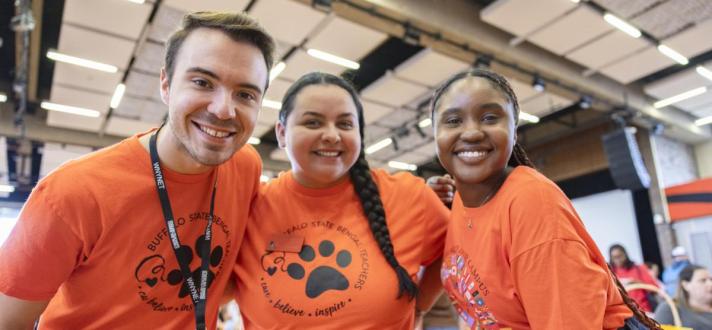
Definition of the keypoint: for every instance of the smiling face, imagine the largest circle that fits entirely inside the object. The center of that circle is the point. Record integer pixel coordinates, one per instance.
(213, 100)
(474, 131)
(699, 288)
(321, 135)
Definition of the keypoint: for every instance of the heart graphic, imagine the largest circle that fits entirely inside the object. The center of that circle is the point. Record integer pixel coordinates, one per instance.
(271, 270)
(151, 281)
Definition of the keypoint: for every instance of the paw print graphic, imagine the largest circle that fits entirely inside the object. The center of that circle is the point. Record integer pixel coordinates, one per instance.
(185, 255)
(322, 278)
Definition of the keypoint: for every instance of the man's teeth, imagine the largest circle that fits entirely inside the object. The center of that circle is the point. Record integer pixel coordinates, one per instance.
(212, 132)
(471, 154)
(327, 153)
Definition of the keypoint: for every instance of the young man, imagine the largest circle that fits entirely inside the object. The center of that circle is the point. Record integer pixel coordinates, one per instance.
(136, 235)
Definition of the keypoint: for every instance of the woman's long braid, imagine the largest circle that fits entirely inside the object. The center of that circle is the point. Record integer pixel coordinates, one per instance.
(637, 312)
(367, 191)
(361, 178)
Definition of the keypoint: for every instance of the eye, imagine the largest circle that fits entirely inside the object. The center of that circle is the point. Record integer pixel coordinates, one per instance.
(311, 123)
(202, 83)
(490, 118)
(347, 124)
(247, 96)
(452, 120)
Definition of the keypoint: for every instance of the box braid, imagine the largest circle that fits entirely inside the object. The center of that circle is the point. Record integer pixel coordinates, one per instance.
(360, 174)
(519, 157)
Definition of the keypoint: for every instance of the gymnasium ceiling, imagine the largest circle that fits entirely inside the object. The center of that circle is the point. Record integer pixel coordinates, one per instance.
(404, 48)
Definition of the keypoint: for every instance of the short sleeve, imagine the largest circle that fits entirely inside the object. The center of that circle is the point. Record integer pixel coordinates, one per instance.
(436, 216)
(560, 287)
(41, 251)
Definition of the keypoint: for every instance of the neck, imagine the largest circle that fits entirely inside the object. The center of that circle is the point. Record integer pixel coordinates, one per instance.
(476, 195)
(173, 154)
(703, 306)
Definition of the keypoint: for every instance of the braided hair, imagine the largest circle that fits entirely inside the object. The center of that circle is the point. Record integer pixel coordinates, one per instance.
(519, 156)
(360, 174)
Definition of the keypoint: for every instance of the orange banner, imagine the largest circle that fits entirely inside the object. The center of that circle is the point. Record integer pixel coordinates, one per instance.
(690, 200)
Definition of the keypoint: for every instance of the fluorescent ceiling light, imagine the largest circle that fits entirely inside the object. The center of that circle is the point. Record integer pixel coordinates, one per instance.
(118, 94)
(254, 140)
(81, 62)
(70, 109)
(271, 104)
(333, 59)
(140, 2)
(622, 25)
(680, 97)
(402, 166)
(276, 70)
(702, 71)
(3, 98)
(575, 1)
(528, 117)
(703, 121)
(425, 122)
(378, 145)
(264, 178)
(671, 53)
(6, 188)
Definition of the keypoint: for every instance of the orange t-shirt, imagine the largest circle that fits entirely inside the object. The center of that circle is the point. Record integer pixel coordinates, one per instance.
(92, 238)
(527, 262)
(337, 278)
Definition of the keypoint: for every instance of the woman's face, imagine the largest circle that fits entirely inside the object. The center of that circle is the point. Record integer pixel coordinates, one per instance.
(321, 135)
(699, 288)
(474, 130)
(618, 257)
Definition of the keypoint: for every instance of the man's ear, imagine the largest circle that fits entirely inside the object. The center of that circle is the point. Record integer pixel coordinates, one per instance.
(279, 131)
(165, 86)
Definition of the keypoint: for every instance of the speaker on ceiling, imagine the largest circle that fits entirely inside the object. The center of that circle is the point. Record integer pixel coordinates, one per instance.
(624, 160)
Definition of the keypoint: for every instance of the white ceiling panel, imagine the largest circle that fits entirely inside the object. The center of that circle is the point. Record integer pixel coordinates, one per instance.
(150, 58)
(427, 149)
(413, 158)
(571, 31)
(398, 118)
(676, 84)
(372, 112)
(277, 89)
(268, 116)
(689, 42)
(286, 20)
(119, 17)
(393, 91)
(80, 98)
(82, 123)
(544, 104)
(55, 154)
(95, 46)
(524, 91)
(208, 5)
(637, 65)
(142, 85)
(429, 68)
(126, 127)
(375, 133)
(261, 129)
(361, 40)
(611, 47)
(522, 17)
(703, 111)
(693, 104)
(627, 8)
(281, 49)
(153, 112)
(301, 63)
(74, 75)
(165, 23)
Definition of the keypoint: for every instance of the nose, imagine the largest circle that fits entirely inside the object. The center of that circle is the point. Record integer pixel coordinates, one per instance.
(331, 135)
(472, 132)
(222, 105)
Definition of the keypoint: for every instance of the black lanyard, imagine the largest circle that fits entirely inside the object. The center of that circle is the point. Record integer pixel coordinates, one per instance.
(198, 295)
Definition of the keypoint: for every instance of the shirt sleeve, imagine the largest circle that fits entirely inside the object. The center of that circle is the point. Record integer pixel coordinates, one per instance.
(40, 253)
(560, 287)
(645, 275)
(436, 216)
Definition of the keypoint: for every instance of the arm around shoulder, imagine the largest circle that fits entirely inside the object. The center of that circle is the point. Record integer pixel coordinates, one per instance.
(18, 314)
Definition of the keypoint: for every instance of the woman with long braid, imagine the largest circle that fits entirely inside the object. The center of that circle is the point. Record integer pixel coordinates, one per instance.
(333, 244)
(517, 255)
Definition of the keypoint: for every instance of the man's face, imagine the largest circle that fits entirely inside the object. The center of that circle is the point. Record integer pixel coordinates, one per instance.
(213, 97)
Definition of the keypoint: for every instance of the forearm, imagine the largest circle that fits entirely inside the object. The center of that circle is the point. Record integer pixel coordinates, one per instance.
(430, 287)
(17, 314)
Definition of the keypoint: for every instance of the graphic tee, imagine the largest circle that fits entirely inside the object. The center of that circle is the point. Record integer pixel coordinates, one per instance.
(92, 238)
(334, 275)
(528, 262)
